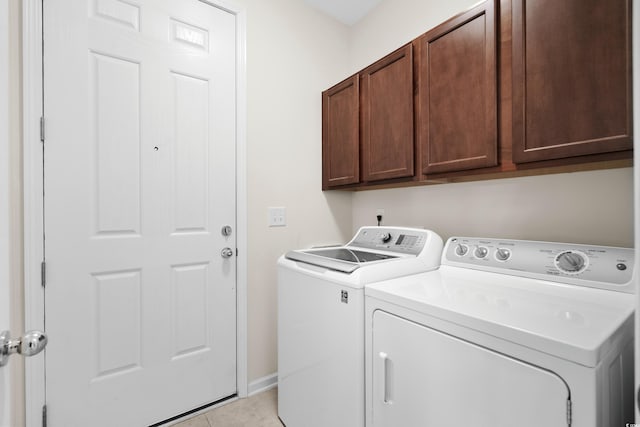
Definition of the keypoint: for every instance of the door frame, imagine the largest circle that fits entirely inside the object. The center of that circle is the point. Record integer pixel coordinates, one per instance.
(6, 402)
(635, 25)
(32, 43)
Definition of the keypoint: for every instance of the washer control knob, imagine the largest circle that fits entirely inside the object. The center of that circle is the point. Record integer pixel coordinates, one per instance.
(571, 262)
(480, 252)
(461, 250)
(386, 237)
(503, 254)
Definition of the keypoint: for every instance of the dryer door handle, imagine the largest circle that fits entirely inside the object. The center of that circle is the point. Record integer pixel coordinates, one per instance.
(386, 399)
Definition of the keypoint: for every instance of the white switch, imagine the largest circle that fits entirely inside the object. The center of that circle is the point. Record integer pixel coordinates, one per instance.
(277, 217)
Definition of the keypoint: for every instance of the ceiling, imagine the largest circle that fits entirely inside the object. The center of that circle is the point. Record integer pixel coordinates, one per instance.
(346, 11)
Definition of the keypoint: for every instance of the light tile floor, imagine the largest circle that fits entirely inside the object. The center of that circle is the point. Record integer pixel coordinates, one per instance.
(260, 410)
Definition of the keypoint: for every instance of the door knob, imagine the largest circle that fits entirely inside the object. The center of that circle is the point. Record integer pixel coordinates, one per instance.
(226, 253)
(31, 343)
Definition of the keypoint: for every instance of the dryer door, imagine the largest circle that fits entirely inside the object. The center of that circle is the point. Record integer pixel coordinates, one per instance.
(425, 378)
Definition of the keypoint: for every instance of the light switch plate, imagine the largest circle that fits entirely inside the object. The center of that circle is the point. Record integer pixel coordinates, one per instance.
(277, 216)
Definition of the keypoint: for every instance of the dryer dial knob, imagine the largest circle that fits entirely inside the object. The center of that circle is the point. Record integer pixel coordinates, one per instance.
(503, 254)
(461, 250)
(571, 262)
(386, 237)
(480, 252)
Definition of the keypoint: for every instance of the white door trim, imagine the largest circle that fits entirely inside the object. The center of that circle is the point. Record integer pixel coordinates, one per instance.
(636, 173)
(33, 203)
(5, 278)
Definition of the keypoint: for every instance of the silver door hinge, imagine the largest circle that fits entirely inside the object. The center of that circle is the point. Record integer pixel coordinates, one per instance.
(42, 129)
(44, 416)
(43, 273)
(569, 412)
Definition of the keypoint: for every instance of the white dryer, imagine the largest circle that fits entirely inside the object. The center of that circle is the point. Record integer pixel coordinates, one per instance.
(505, 333)
(321, 320)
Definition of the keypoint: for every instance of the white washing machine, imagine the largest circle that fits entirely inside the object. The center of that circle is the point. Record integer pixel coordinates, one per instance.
(505, 333)
(321, 320)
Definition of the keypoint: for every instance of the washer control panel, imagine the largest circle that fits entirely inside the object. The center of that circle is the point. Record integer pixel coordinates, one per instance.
(561, 262)
(394, 239)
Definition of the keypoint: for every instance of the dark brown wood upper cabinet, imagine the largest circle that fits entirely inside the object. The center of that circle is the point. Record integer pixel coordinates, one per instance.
(571, 78)
(506, 88)
(456, 100)
(386, 102)
(340, 134)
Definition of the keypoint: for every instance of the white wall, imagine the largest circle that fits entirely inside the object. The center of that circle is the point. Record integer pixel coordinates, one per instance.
(582, 207)
(393, 23)
(293, 54)
(586, 207)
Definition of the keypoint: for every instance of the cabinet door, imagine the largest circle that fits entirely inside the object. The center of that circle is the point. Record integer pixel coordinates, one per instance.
(340, 134)
(424, 378)
(571, 78)
(387, 117)
(456, 92)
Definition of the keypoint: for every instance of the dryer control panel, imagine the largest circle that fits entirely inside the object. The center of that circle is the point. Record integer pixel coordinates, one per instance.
(594, 266)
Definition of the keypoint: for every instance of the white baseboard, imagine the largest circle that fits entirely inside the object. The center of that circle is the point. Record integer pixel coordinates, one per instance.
(263, 384)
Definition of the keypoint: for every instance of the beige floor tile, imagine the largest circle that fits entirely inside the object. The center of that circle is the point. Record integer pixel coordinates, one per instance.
(199, 421)
(260, 410)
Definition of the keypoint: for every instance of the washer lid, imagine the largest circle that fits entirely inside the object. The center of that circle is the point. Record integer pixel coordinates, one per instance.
(343, 259)
(572, 322)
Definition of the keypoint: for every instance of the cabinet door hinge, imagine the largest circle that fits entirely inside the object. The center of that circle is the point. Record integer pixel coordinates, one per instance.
(44, 416)
(43, 273)
(569, 412)
(42, 129)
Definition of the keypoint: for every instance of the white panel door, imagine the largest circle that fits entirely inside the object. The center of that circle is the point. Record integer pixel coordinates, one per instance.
(425, 378)
(139, 180)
